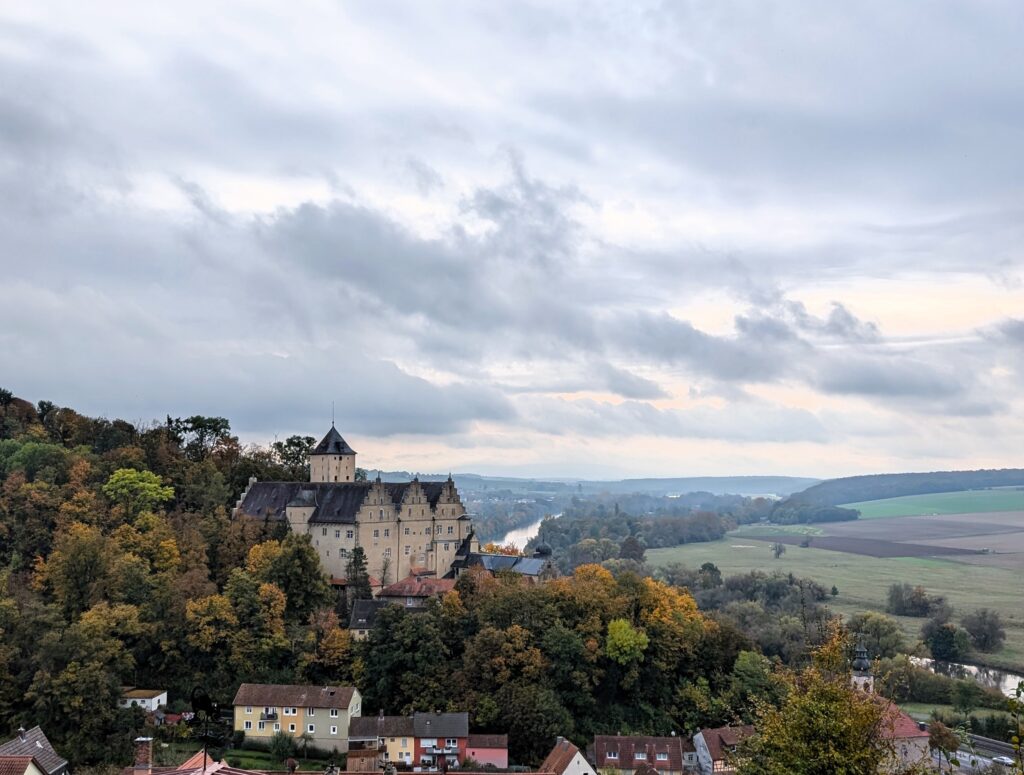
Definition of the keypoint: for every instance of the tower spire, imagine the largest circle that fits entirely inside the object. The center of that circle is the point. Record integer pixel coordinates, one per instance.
(332, 414)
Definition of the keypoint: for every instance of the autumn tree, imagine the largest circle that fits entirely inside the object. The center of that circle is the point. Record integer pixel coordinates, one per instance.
(136, 490)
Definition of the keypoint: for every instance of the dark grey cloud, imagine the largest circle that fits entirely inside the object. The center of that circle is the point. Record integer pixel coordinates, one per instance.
(442, 220)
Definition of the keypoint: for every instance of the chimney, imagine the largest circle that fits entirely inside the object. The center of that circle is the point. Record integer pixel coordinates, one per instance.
(143, 755)
(21, 734)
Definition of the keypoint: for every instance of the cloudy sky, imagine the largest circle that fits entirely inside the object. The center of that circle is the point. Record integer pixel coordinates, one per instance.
(596, 239)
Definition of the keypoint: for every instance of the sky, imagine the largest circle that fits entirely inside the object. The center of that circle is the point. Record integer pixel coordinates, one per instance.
(546, 239)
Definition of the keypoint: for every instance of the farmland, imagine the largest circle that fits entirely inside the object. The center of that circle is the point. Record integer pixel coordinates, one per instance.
(863, 580)
(964, 502)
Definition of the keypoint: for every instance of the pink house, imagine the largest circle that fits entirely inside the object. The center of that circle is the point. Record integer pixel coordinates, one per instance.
(488, 749)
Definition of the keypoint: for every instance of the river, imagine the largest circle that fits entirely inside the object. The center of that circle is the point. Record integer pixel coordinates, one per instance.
(521, 535)
(988, 677)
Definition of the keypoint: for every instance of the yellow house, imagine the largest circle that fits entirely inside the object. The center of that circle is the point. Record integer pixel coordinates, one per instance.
(391, 735)
(324, 713)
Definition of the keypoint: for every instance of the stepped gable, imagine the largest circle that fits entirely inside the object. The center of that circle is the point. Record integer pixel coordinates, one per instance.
(333, 444)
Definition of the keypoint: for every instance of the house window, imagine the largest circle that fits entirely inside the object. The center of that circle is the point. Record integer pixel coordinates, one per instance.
(612, 755)
(334, 730)
(248, 709)
(451, 742)
(337, 534)
(405, 742)
(334, 713)
(248, 725)
(310, 711)
(349, 534)
(311, 728)
(387, 533)
(662, 757)
(640, 755)
(291, 727)
(277, 727)
(261, 725)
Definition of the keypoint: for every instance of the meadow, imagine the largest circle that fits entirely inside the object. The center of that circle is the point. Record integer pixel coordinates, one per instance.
(967, 501)
(863, 582)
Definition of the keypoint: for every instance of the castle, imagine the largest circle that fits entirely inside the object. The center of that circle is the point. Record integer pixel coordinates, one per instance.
(401, 526)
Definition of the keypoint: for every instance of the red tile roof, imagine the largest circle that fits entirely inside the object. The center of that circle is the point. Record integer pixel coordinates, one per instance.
(626, 748)
(17, 765)
(722, 738)
(900, 726)
(561, 757)
(418, 586)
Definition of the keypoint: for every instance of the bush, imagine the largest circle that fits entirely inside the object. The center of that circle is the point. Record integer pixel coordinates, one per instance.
(282, 745)
(985, 627)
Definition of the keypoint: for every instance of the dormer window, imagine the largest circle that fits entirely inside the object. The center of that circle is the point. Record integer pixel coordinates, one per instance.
(640, 756)
(662, 757)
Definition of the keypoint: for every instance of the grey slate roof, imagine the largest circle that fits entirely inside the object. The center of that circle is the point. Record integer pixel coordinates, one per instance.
(333, 444)
(528, 566)
(441, 724)
(364, 613)
(334, 501)
(35, 744)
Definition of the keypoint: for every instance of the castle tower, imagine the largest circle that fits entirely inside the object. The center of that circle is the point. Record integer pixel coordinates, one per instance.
(332, 460)
(862, 677)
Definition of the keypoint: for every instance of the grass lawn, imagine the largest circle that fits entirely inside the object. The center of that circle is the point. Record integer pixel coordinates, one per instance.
(964, 502)
(778, 530)
(260, 760)
(863, 582)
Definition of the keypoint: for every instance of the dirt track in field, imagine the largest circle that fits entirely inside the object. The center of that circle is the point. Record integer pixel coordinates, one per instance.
(873, 547)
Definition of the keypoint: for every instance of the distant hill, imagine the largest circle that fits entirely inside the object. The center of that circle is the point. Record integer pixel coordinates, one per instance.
(855, 489)
(719, 485)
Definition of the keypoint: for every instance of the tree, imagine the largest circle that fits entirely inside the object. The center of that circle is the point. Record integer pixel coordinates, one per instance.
(710, 576)
(880, 634)
(944, 740)
(632, 549)
(625, 644)
(778, 549)
(136, 490)
(945, 640)
(835, 591)
(357, 578)
(985, 627)
(295, 569)
(822, 726)
(754, 683)
(282, 745)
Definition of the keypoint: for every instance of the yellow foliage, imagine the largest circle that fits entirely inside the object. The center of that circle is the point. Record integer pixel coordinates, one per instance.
(273, 601)
(261, 557)
(211, 621)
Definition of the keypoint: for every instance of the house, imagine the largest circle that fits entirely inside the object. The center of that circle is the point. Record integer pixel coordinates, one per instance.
(147, 699)
(33, 743)
(715, 746)
(321, 712)
(20, 765)
(414, 591)
(391, 736)
(538, 568)
(627, 754)
(440, 737)
(566, 759)
(363, 615)
(909, 739)
(488, 749)
(398, 525)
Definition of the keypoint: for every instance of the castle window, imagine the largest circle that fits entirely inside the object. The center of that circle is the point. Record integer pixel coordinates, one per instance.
(387, 552)
(325, 531)
(407, 550)
(328, 552)
(387, 533)
(376, 534)
(445, 548)
(438, 530)
(382, 513)
(348, 534)
(337, 533)
(407, 531)
(450, 529)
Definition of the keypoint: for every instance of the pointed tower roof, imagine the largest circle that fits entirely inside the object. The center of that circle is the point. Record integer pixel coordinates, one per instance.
(333, 444)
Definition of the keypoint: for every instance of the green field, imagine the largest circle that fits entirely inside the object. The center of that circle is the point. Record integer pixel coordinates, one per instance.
(964, 502)
(863, 582)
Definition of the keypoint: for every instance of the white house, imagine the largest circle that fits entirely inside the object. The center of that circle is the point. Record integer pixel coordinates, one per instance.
(147, 699)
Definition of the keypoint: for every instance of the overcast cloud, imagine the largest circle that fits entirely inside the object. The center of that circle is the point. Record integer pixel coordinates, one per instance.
(594, 239)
